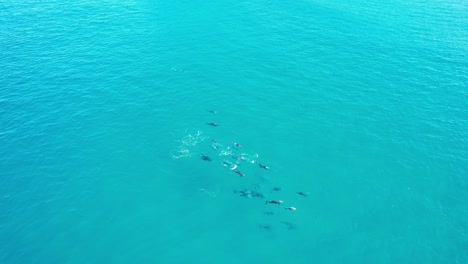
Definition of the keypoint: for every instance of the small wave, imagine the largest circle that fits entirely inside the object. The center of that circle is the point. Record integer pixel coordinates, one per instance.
(212, 194)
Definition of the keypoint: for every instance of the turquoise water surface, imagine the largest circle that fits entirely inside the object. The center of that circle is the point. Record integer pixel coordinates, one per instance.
(104, 108)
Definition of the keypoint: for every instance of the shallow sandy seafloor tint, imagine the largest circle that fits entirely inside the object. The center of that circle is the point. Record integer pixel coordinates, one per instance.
(104, 108)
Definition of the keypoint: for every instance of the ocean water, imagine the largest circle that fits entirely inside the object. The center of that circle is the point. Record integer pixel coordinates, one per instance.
(104, 108)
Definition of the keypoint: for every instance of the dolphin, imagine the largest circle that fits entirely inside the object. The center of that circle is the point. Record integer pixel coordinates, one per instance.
(204, 157)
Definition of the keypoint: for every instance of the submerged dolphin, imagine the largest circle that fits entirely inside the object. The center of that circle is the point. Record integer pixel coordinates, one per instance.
(204, 157)
(274, 202)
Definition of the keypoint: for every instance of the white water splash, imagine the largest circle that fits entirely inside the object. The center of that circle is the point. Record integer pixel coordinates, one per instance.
(187, 144)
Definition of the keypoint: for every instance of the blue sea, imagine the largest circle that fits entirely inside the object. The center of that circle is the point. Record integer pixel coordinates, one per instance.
(107, 155)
